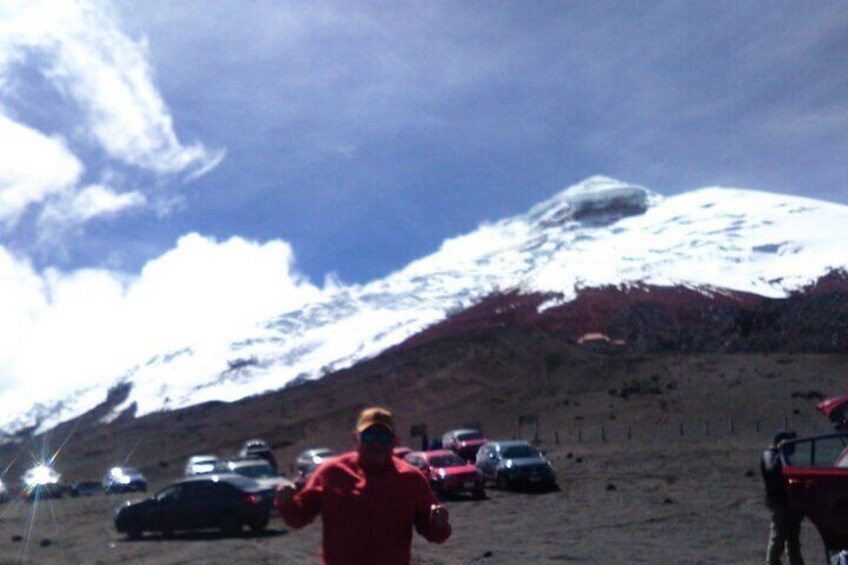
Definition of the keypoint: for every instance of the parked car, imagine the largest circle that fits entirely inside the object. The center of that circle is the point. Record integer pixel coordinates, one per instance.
(123, 479)
(224, 501)
(401, 451)
(302, 476)
(4, 492)
(816, 472)
(836, 410)
(86, 488)
(258, 448)
(515, 463)
(448, 473)
(312, 457)
(41, 481)
(464, 442)
(259, 470)
(202, 465)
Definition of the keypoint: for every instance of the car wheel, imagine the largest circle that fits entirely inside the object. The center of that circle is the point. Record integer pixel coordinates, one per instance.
(134, 531)
(258, 525)
(230, 525)
(502, 482)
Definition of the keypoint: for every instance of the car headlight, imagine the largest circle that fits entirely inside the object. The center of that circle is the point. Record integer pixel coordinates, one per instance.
(441, 473)
(508, 464)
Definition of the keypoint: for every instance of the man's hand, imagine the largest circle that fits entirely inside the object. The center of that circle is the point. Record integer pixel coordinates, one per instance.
(438, 518)
(283, 495)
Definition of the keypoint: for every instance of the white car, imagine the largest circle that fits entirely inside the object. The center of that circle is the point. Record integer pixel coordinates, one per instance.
(202, 465)
(41, 481)
(259, 470)
(311, 458)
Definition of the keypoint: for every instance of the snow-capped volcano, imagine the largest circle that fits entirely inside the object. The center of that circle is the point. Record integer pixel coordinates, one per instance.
(598, 232)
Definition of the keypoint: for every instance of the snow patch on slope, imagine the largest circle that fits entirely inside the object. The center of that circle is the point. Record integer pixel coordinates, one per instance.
(600, 232)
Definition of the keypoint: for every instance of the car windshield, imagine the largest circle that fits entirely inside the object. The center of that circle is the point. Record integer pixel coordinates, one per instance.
(256, 471)
(465, 436)
(519, 452)
(448, 460)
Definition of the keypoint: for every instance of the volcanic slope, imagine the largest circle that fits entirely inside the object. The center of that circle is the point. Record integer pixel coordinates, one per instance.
(599, 232)
(655, 449)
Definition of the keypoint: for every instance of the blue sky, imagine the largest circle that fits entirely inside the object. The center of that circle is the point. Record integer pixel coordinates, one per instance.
(151, 148)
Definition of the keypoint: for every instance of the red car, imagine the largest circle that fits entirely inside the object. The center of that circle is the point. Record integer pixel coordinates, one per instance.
(464, 442)
(448, 473)
(816, 472)
(836, 410)
(401, 451)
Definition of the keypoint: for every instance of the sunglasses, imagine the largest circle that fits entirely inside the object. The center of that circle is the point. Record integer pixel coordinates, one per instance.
(379, 435)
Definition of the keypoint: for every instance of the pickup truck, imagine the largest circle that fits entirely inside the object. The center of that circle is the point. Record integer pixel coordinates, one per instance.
(816, 473)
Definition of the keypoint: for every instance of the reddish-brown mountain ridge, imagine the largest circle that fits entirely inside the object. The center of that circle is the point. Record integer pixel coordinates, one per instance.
(654, 318)
(503, 357)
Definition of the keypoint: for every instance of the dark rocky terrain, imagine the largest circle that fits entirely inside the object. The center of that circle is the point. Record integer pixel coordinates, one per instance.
(655, 427)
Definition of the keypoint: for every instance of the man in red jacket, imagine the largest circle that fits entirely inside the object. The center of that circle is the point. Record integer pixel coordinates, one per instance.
(368, 500)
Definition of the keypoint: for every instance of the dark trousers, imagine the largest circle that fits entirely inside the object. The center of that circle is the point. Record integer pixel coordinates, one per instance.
(785, 534)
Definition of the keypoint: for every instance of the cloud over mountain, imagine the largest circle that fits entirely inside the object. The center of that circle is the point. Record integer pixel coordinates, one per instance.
(105, 114)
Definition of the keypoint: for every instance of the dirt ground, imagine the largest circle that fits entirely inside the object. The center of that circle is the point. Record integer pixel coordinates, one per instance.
(658, 464)
(646, 506)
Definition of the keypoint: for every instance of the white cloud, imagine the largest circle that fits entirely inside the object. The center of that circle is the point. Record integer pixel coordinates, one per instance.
(33, 167)
(108, 75)
(106, 78)
(88, 203)
(62, 331)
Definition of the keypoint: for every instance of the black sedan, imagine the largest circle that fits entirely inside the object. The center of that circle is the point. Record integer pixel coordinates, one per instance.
(226, 501)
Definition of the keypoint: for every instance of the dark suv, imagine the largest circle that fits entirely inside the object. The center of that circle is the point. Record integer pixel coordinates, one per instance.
(221, 501)
(464, 442)
(515, 463)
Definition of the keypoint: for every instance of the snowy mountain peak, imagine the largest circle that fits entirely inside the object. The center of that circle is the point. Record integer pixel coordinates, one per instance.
(596, 233)
(597, 199)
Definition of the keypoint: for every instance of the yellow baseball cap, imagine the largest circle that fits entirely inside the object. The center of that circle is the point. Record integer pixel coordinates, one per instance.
(375, 416)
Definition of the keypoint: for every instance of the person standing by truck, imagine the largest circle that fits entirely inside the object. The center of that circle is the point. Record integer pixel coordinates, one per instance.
(785, 528)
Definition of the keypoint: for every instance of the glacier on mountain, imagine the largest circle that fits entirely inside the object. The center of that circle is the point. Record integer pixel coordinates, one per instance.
(598, 232)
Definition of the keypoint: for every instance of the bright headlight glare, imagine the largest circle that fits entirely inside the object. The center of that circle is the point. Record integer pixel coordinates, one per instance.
(41, 476)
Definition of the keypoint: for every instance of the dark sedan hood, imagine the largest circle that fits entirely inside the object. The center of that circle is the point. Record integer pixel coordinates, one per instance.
(527, 462)
(138, 503)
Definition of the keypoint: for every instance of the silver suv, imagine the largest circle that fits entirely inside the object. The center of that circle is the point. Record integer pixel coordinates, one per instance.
(515, 463)
(259, 470)
(202, 465)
